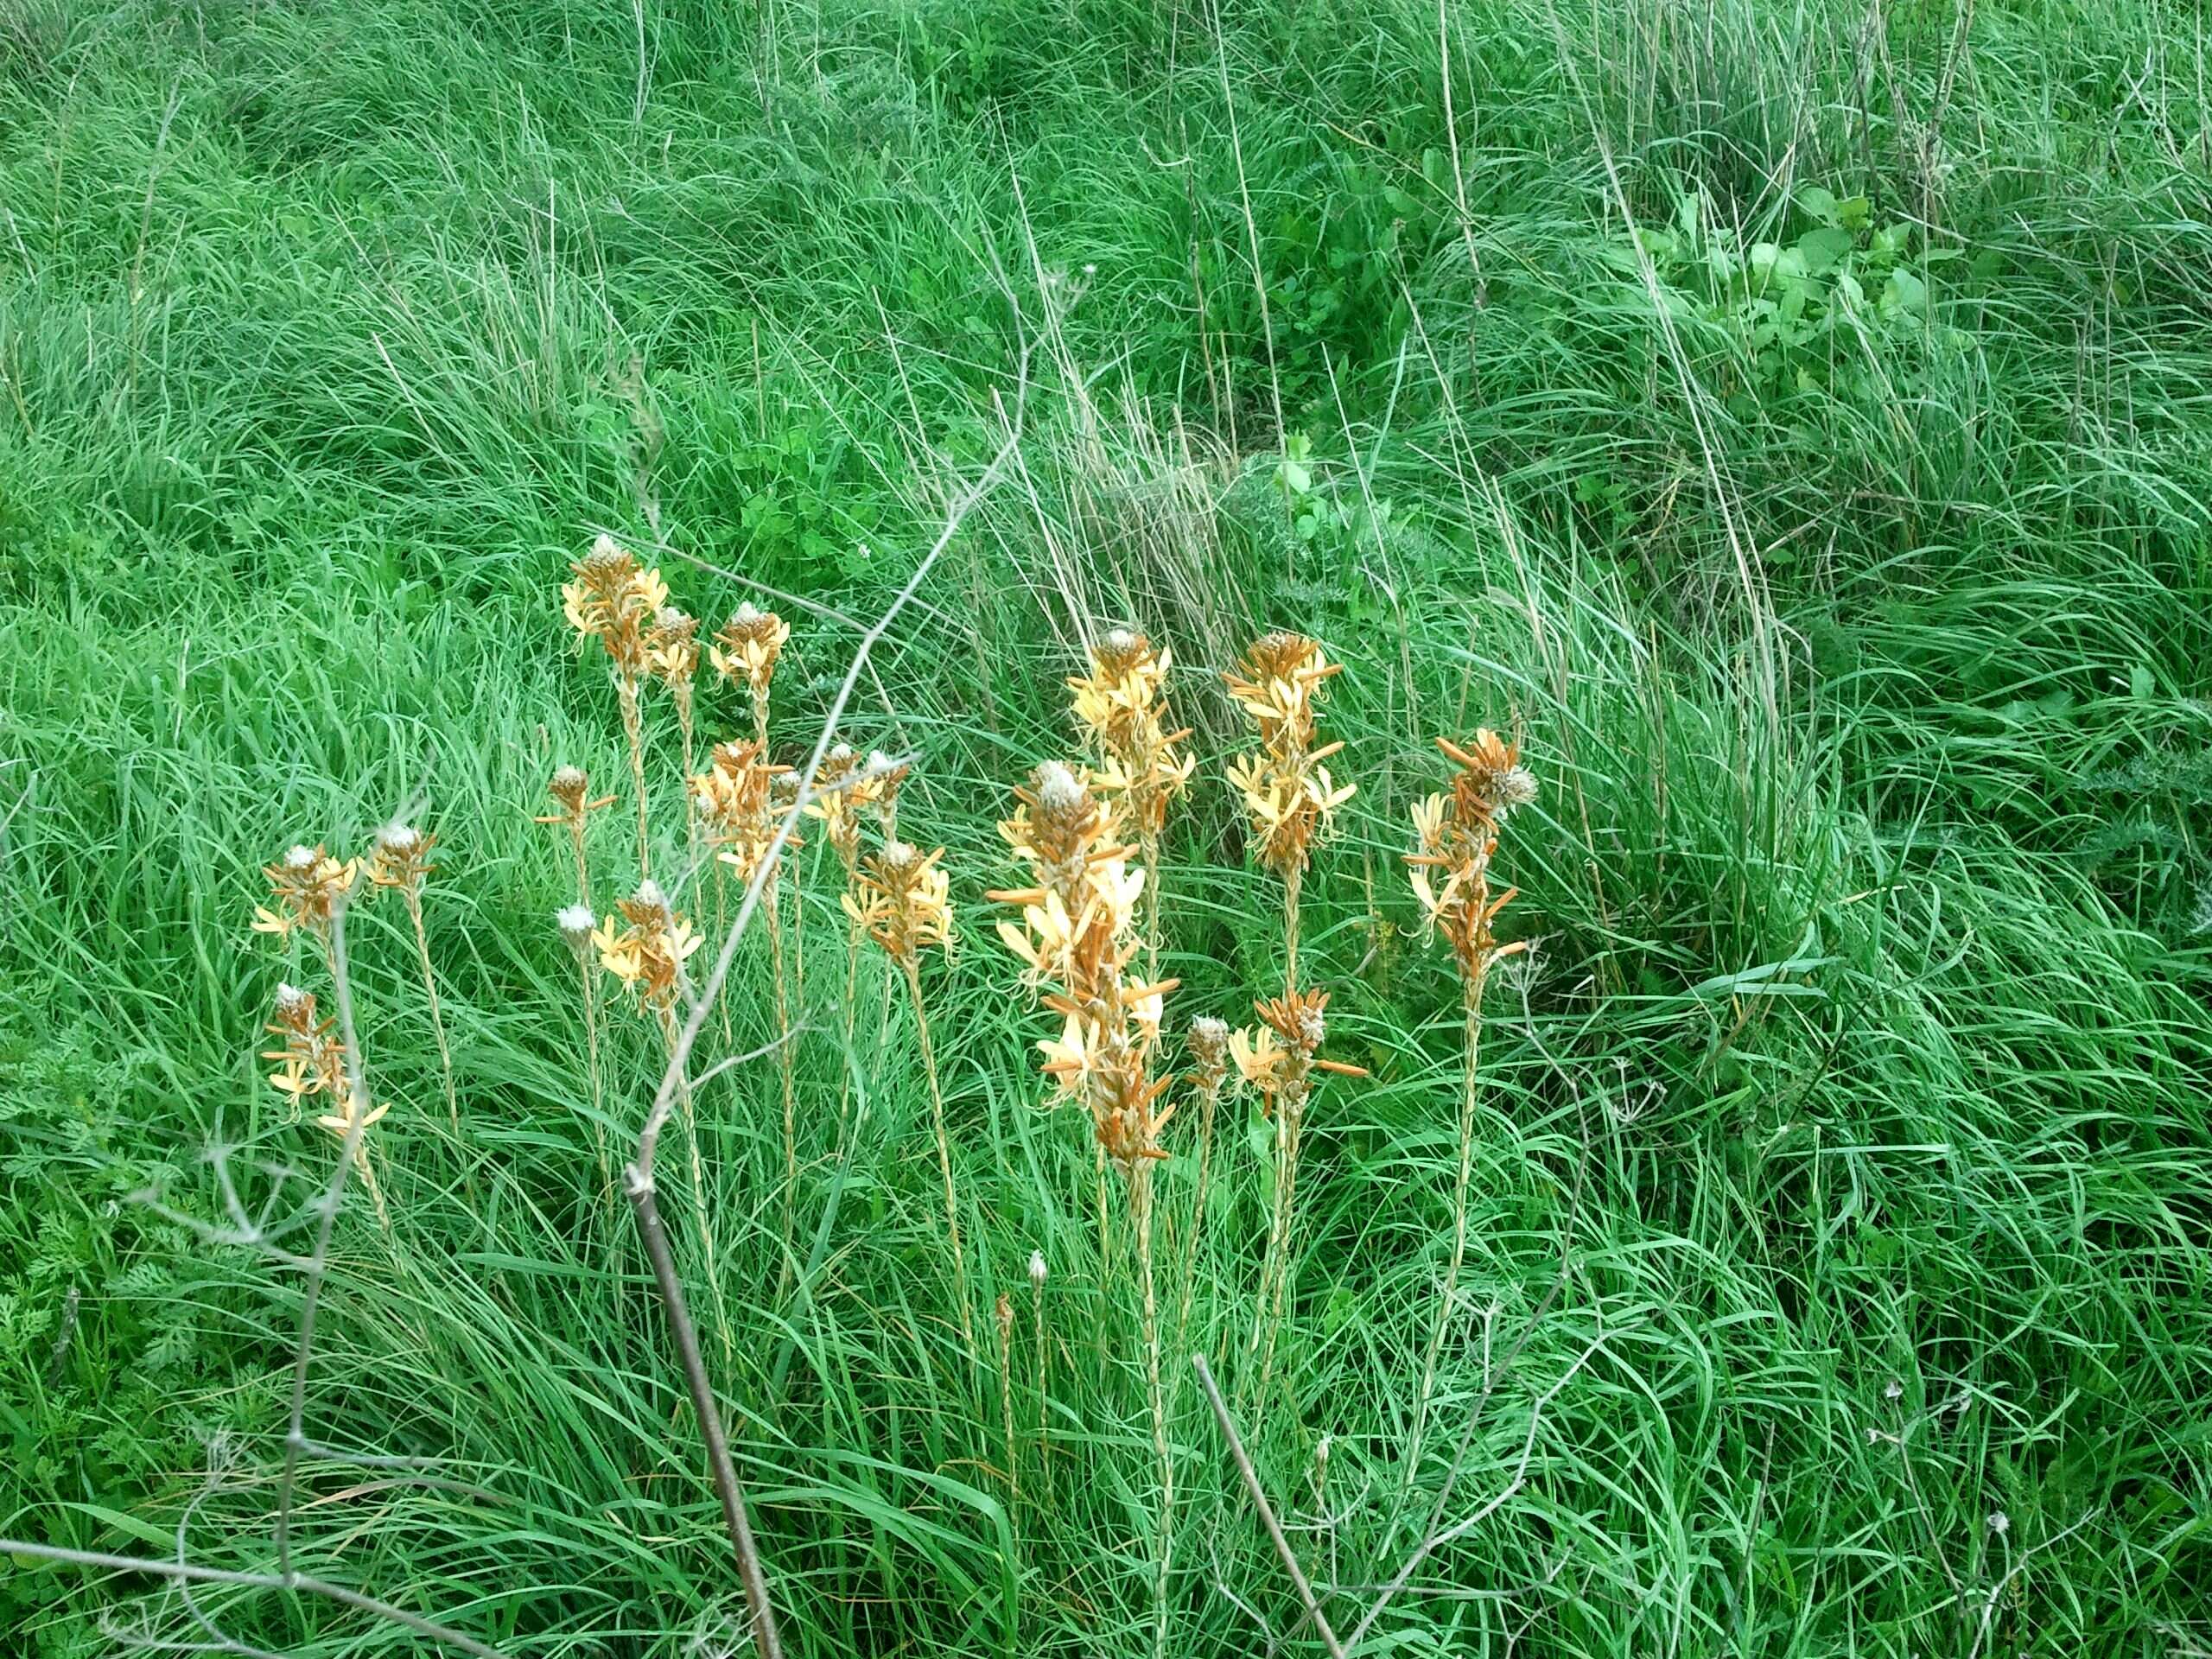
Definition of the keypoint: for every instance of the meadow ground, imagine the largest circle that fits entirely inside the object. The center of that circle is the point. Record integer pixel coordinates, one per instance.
(1794, 422)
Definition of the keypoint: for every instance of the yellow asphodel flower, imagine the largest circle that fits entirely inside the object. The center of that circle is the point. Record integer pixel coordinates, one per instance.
(306, 885)
(747, 646)
(899, 896)
(647, 950)
(1458, 836)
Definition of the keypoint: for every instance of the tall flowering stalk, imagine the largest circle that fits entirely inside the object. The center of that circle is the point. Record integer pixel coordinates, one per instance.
(1456, 839)
(736, 799)
(843, 791)
(1291, 801)
(1278, 1061)
(576, 924)
(1122, 705)
(311, 1061)
(644, 945)
(746, 648)
(898, 897)
(571, 793)
(400, 863)
(615, 602)
(1076, 940)
(1207, 1045)
(672, 657)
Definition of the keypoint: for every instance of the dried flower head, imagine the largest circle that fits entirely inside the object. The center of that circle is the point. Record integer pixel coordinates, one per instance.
(306, 886)
(401, 857)
(736, 802)
(646, 945)
(1277, 685)
(576, 923)
(899, 896)
(310, 1060)
(1208, 1045)
(1078, 935)
(842, 791)
(1122, 705)
(613, 600)
(1457, 838)
(1286, 792)
(571, 791)
(747, 646)
(1278, 1060)
(1037, 1268)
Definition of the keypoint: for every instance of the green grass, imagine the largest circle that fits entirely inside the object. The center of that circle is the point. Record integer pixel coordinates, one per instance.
(1864, 667)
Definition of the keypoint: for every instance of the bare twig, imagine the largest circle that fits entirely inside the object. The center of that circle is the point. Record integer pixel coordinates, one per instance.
(1267, 1511)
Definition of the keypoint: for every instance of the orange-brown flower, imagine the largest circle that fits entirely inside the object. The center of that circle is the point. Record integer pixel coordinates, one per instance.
(1123, 704)
(1277, 1061)
(1457, 838)
(1286, 792)
(310, 1060)
(899, 895)
(747, 646)
(647, 951)
(571, 791)
(615, 602)
(1277, 685)
(401, 857)
(306, 886)
(736, 800)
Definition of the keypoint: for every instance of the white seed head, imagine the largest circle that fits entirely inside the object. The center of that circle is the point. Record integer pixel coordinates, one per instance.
(669, 617)
(289, 998)
(1057, 788)
(299, 857)
(576, 923)
(604, 546)
(1209, 1029)
(841, 755)
(399, 837)
(649, 895)
(568, 777)
(2000, 1523)
(1312, 1027)
(1893, 1389)
(747, 614)
(1037, 1268)
(1121, 639)
(897, 855)
(1516, 787)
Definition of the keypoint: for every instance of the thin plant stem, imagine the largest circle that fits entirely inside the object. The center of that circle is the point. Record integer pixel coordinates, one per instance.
(1043, 1427)
(1149, 850)
(786, 1061)
(1288, 1117)
(591, 1048)
(699, 1187)
(943, 1147)
(437, 1018)
(683, 694)
(852, 990)
(1141, 1204)
(1291, 884)
(1209, 1098)
(633, 729)
(583, 869)
(1426, 1390)
(1006, 1396)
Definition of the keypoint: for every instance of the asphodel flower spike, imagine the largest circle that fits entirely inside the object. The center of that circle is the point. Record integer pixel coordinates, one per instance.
(746, 648)
(1122, 705)
(305, 887)
(613, 601)
(1286, 792)
(571, 791)
(1456, 838)
(311, 1060)
(646, 945)
(672, 657)
(898, 897)
(399, 862)
(1077, 937)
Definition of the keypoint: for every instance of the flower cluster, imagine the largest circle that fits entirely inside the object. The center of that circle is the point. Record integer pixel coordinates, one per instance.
(1287, 792)
(1123, 704)
(306, 887)
(401, 858)
(844, 788)
(1078, 935)
(311, 1060)
(1458, 838)
(618, 603)
(736, 802)
(899, 897)
(646, 945)
(672, 657)
(746, 647)
(1277, 1062)
(571, 793)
